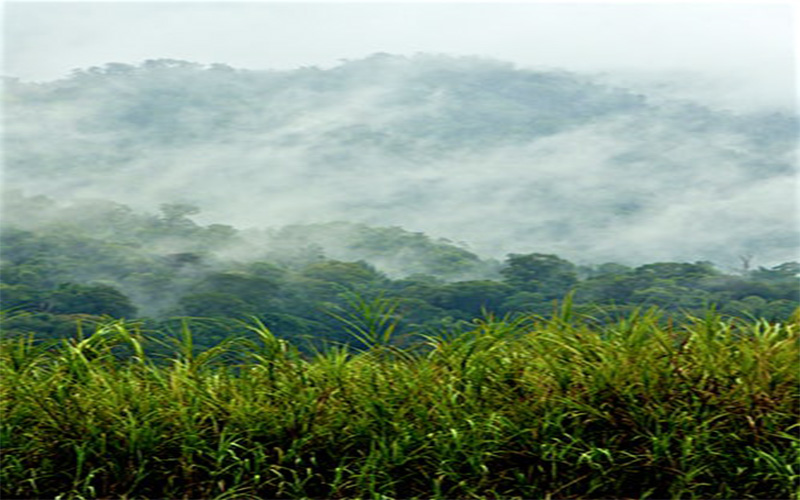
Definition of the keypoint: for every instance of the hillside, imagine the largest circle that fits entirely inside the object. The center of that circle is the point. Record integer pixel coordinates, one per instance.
(61, 263)
(503, 158)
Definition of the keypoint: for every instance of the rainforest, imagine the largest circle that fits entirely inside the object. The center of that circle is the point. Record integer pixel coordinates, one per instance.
(399, 277)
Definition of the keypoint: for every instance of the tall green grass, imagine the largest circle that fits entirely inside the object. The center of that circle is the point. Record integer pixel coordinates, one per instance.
(526, 407)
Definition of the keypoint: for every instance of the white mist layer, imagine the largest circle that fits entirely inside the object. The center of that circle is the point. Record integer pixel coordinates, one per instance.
(590, 173)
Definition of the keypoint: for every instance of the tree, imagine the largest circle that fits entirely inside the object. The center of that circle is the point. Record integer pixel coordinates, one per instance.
(670, 296)
(176, 215)
(526, 302)
(473, 296)
(607, 287)
(72, 298)
(547, 274)
(786, 272)
(20, 296)
(254, 290)
(213, 304)
(350, 275)
(681, 273)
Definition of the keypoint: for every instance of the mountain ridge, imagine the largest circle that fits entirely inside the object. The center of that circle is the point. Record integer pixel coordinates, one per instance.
(471, 149)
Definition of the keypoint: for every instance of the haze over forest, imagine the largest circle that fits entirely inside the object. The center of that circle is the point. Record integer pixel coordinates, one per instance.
(389, 249)
(476, 150)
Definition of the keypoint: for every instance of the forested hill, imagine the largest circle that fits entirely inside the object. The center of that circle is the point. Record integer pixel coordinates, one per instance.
(506, 159)
(62, 263)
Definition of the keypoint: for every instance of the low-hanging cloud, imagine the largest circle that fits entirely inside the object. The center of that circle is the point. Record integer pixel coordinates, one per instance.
(744, 53)
(431, 144)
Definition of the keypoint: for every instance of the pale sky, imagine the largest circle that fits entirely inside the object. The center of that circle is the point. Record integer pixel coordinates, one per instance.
(747, 45)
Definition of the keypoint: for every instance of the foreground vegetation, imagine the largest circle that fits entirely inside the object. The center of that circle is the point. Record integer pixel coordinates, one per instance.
(530, 407)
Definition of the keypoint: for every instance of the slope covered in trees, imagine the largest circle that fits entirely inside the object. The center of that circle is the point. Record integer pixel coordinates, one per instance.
(63, 263)
(471, 149)
(598, 335)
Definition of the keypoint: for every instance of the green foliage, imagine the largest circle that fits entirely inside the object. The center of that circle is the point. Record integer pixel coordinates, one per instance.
(471, 297)
(99, 300)
(705, 407)
(349, 275)
(372, 322)
(396, 251)
(549, 275)
(215, 304)
(119, 262)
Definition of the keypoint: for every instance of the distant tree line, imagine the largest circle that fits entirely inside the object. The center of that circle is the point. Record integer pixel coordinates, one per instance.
(62, 265)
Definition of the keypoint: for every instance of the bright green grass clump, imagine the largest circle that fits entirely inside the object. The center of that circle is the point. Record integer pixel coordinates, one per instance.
(530, 408)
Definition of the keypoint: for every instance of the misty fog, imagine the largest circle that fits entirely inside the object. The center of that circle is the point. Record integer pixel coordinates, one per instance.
(500, 159)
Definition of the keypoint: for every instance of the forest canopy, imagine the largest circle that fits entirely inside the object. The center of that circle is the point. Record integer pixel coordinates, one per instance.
(99, 259)
(469, 148)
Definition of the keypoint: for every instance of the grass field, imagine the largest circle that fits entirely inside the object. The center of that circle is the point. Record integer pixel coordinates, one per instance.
(704, 407)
